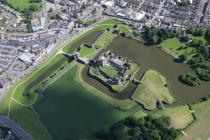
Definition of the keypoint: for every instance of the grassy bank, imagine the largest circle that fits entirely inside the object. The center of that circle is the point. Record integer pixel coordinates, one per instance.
(200, 129)
(176, 48)
(180, 116)
(151, 90)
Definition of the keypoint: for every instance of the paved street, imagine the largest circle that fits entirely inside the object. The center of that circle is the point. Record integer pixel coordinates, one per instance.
(5, 121)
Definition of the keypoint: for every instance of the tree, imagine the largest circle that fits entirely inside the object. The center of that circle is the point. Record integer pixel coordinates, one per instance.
(204, 51)
(189, 79)
(182, 58)
(123, 34)
(196, 59)
(134, 132)
(33, 7)
(50, 10)
(115, 26)
(207, 35)
(147, 128)
(155, 36)
(202, 31)
(203, 72)
(155, 134)
(192, 29)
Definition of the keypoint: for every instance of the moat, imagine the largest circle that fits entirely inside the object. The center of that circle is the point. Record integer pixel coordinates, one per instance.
(154, 58)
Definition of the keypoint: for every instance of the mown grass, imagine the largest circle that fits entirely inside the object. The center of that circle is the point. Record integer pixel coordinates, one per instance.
(104, 40)
(139, 114)
(176, 47)
(198, 38)
(153, 88)
(22, 4)
(200, 129)
(86, 52)
(110, 70)
(180, 116)
(28, 119)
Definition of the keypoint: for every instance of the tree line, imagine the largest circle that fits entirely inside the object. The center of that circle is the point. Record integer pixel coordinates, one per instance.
(147, 128)
(153, 35)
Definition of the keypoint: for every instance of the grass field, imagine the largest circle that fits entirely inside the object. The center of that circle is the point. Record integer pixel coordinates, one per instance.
(198, 38)
(22, 4)
(152, 88)
(139, 114)
(86, 52)
(27, 118)
(200, 129)
(178, 48)
(79, 118)
(110, 70)
(104, 40)
(180, 116)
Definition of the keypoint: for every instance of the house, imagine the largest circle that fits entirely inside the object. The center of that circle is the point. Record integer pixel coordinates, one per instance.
(117, 62)
(4, 82)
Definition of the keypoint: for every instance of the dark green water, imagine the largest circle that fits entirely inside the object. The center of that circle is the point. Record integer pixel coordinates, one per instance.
(154, 58)
(69, 111)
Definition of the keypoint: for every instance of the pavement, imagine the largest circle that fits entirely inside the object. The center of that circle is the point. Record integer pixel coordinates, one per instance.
(15, 128)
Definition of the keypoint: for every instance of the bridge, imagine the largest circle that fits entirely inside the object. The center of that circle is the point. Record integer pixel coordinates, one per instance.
(137, 81)
(69, 54)
(75, 56)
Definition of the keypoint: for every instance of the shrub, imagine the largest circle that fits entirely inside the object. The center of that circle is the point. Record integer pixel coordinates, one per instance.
(189, 80)
(203, 72)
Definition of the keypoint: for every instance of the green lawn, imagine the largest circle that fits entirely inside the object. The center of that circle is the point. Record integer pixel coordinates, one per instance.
(143, 96)
(180, 116)
(123, 27)
(87, 52)
(200, 129)
(68, 110)
(104, 40)
(110, 70)
(22, 4)
(139, 114)
(177, 48)
(198, 38)
(28, 119)
(152, 88)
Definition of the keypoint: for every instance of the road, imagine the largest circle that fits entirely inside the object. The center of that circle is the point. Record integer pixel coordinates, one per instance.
(44, 13)
(5, 121)
(31, 34)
